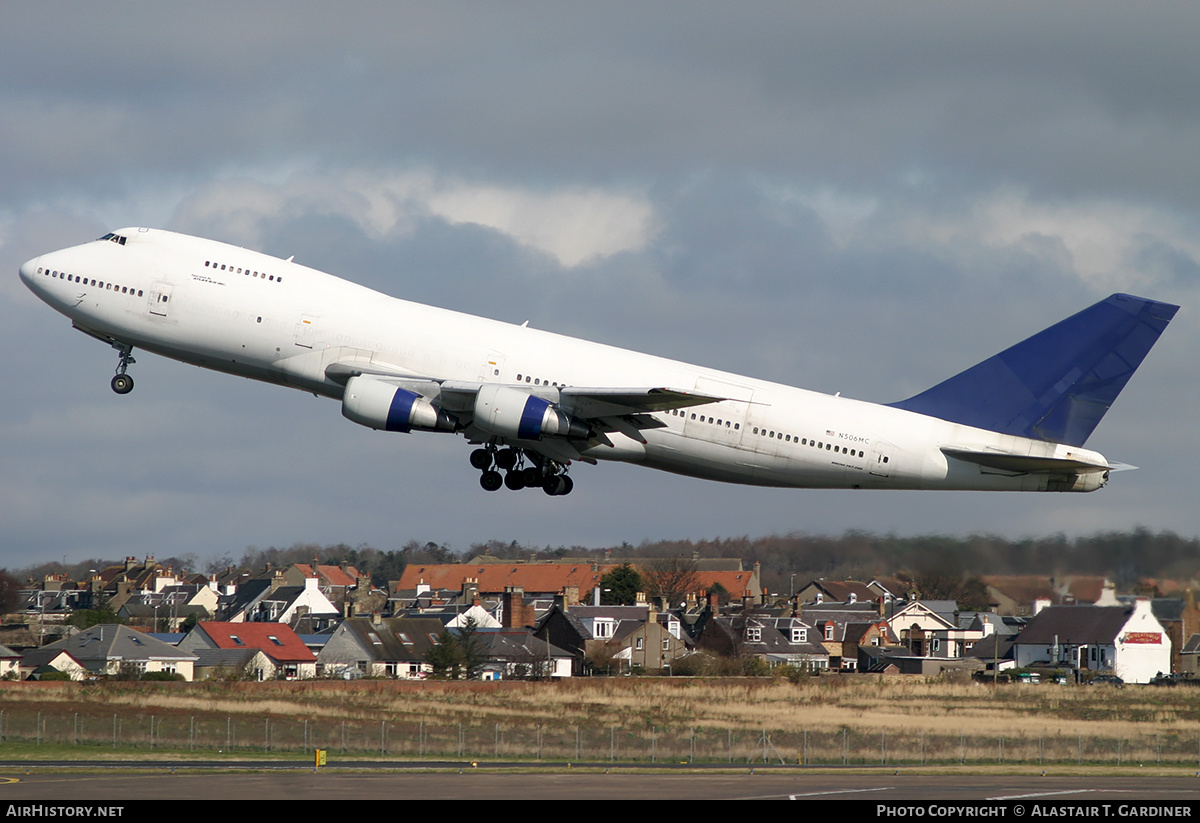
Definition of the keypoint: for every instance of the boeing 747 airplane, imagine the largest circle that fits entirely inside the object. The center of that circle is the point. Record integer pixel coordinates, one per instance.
(534, 403)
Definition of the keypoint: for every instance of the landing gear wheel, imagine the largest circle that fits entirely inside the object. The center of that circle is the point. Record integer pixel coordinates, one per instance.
(491, 481)
(533, 477)
(555, 485)
(507, 458)
(481, 459)
(515, 480)
(123, 383)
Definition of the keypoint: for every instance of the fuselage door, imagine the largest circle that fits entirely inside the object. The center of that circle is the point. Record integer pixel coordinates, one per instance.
(723, 422)
(492, 368)
(304, 330)
(881, 458)
(160, 298)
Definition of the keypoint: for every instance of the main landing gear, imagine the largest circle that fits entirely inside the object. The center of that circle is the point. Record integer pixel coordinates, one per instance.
(540, 473)
(123, 383)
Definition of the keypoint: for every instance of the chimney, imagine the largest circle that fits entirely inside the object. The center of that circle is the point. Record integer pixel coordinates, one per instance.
(516, 613)
(470, 590)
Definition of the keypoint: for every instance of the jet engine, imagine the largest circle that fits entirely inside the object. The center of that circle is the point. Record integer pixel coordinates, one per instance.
(373, 402)
(509, 412)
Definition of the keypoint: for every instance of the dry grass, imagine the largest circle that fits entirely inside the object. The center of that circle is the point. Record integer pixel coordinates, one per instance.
(834, 720)
(864, 704)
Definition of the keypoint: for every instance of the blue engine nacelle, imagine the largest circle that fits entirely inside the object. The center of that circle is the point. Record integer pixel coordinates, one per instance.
(377, 404)
(512, 413)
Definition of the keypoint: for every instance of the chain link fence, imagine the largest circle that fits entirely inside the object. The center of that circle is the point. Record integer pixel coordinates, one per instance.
(416, 738)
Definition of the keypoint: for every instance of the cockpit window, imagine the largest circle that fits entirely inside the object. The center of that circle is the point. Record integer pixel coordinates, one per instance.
(116, 238)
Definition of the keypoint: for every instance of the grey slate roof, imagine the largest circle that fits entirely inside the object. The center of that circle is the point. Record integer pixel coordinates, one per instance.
(97, 646)
(1075, 625)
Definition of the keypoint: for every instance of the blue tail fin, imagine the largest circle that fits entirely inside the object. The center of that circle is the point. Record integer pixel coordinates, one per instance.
(1057, 385)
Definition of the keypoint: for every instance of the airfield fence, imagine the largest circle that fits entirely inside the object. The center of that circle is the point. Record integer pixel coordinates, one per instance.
(414, 738)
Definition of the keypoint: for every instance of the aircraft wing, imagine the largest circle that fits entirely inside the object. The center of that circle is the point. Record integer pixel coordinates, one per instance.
(600, 410)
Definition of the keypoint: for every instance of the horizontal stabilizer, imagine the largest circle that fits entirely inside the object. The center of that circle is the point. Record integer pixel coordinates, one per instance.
(1023, 463)
(1057, 385)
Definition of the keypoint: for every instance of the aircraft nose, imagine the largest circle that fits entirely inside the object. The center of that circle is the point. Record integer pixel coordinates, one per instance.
(28, 270)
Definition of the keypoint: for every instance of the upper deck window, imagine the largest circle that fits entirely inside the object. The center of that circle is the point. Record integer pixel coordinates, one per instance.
(116, 238)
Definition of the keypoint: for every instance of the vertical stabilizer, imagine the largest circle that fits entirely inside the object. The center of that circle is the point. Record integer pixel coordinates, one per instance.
(1058, 384)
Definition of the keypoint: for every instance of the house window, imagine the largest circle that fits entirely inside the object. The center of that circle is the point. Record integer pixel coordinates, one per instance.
(753, 634)
(829, 631)
(637, 644)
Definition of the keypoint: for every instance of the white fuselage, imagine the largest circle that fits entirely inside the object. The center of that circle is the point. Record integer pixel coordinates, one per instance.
(246, 313)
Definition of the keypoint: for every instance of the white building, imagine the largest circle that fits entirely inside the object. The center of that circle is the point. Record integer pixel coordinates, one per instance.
(1127, 641)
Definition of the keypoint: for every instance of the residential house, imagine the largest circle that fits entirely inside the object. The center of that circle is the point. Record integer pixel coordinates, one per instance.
(286, 655)
(269, 600)
(1126, 640)
(381, 647)
(1022, 595)
(842, 627)
(109, 650)
(774, 640)
(516, 654)
(491, 579)
(335, 582)
(631, 636)
(836, 591)
(35, 663)
(10, 664)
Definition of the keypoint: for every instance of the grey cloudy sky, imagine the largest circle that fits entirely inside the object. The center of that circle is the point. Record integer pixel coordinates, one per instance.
(853, 197)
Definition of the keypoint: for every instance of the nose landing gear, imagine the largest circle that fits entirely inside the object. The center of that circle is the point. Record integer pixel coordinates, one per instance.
(123, 383)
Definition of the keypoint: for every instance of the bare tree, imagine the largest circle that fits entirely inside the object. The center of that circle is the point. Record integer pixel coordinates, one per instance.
(671, 578)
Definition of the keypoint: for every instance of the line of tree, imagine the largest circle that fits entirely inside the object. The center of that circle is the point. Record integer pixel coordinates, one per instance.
(1124, 557)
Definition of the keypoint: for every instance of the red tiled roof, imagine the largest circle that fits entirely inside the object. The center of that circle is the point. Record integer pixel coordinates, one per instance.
(736, 583)
(278, 640)
(494, 577)
(333, 575)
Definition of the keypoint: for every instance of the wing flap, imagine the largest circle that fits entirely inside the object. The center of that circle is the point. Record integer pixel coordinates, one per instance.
(592, 402)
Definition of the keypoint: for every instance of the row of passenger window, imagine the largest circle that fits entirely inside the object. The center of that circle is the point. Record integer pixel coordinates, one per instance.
(704, 419)
(537, 381)
(804, 441)
(787, 438)
(240, 270)
(83, 281)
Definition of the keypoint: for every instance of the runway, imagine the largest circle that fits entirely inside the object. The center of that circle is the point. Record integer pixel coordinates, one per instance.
(46, 783)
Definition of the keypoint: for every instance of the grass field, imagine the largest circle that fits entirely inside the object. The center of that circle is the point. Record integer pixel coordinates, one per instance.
(856, 719)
